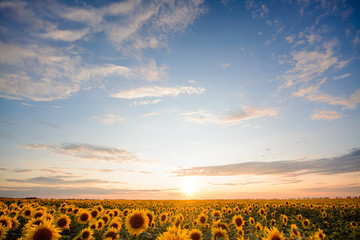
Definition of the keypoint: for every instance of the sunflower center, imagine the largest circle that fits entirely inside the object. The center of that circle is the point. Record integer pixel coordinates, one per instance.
(4, 223)
(114, 225)
(275, 238)
(149, 216)
(27, 213)
(136, 221)
(84, 217)
(195, 236)
(202, 219)
(218, 234)
(110, 235)
(62, 222)
(85, 235)
(39, 214)
(238, 222)
(43, 234)
(163, 217)
(94, 214)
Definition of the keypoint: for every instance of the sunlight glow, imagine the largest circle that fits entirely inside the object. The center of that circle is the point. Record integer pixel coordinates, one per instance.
(188, 186)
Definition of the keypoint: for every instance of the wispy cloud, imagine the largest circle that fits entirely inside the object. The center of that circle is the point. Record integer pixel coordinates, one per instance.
(347, 163)
(88, 151)
(246, 113)
(325, 114)
(50, 124)
(37, 70)
(258, 9)
(60, 180)
(110, 118)
(157, 91)
(342, 76)
(146, 102)
(225, 65)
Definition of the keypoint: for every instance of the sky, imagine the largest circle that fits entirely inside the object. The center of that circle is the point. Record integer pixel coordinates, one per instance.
(169, 99)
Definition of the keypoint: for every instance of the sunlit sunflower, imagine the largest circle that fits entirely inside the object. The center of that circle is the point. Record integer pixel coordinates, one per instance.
(5, 221)
(3, 232)
(62, 221)
(273, 222)
(262, 212)
(258, 227)
(218, 233)
(38, 214)
(202, 219)
(273, 234)
(216, 214)
(196, 234)
(299, 217)
(240, 233)
(111, 233)
(94, 213)
(86, 234)
(26, 212)
(14, 223)
(93, 224)
(151, 217)
(163, 218)
(320, 234)
(306, 223)
(83, 217)
(284, 219)
(251, 221)
(238, 221)
(106, 217)
(294, 231)
(137, 222)
(116, 223)
(100, 224)
(45, 231)
(174, 233)
(222, 225)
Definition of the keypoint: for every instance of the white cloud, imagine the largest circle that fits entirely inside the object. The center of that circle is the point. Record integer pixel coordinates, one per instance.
(146, 102)
(356, 40)
(325, 114)
(65, 35)
(290, 38)
(88, 152)
(110, 118)
(342, 76)
(225, 65)
(157, 91)
(258, 9)
(246, 113)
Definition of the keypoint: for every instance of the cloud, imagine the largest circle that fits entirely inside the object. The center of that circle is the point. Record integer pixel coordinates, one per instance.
(60, 180)
(339, 189)
(346, 163)
(225, 65)
(36, 69)
(246, 113)
(157, 91)
(88, 151)
(146, 102)
(110, 118)
(342, 76)
(65, 35)
(258, 9)
(75, 192)
(50, 124)
(325, 114)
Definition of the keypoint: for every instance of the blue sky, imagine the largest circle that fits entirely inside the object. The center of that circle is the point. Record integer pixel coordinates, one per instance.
(147, 99)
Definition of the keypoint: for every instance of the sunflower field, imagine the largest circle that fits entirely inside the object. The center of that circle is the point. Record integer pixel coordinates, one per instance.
(44, 219)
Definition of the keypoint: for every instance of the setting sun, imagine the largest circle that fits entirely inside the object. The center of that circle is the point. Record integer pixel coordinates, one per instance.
(188, 186)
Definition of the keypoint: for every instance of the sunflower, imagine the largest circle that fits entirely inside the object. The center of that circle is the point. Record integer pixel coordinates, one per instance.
(94, 213)
(258, 227)
(320, 235)
(219, 233)
(306, 223)
(3, 232)
(294, 231)
(195, 234)
(174, 233)
(27, 212)
(354, 225)
(106, 217)
(5, 221)
(100, 224)
(111, 233)
(151, 217)
(284, 219)
(202, 219)
(85, 234)
(137, 222)
(45, 231)
(252, 221)
(222, 225)
(38, 214)
(299, 217)
(273, 234)
(116, 223)
(216, 214)
(238, 221)
(83, 217)
(62, 221)
(163, 218)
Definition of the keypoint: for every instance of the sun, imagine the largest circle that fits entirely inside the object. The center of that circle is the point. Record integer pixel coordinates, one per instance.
(189, 186)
